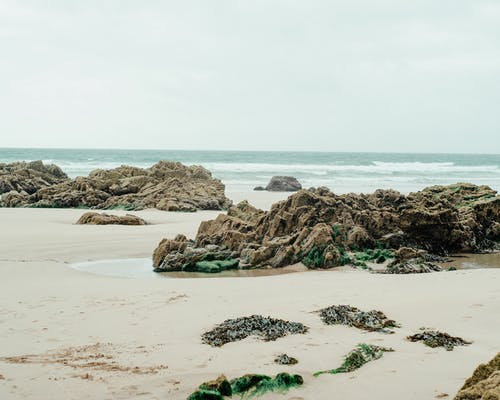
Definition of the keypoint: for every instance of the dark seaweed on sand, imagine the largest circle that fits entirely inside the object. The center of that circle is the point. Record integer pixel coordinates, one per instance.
(438, 339)
(265, 328)
(351, 316)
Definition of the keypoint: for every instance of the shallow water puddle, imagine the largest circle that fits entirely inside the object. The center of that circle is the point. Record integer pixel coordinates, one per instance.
(143, 268)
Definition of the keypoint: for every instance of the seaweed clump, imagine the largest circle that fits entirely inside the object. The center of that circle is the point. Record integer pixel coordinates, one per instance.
(285, 359)
(362, 354)
(484, 382)
(438, 339)
(266, 328)
(367, 320)
(247, 386)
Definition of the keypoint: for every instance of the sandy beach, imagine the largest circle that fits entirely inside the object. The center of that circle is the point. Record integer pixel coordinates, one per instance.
(71, 334)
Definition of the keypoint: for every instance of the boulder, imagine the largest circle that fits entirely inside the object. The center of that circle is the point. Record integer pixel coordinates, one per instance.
(94, 218)
(283, 184)
(484, 382)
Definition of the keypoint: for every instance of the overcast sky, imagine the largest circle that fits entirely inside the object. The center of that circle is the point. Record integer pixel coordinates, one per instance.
(353, 75)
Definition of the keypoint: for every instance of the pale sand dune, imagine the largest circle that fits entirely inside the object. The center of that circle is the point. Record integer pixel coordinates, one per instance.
(86, 333)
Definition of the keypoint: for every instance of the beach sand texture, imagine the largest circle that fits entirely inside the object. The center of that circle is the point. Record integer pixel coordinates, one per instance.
(67, 334)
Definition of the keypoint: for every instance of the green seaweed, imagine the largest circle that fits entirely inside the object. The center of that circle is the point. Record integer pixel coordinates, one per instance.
(205, 395)
(212, 266)
(249, 386)
(379, 255)
(315, 258)
(362, 354)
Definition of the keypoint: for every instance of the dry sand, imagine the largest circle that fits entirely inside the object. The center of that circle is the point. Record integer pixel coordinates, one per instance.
(67, 334)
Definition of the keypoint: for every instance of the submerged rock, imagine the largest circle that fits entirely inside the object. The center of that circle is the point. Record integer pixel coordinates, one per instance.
(438, 339)
(351, 316)
(284, 359)
(265, 328)
(283, 184)
(94, 218)
(167, 185)
(484, 384)
(362, 354)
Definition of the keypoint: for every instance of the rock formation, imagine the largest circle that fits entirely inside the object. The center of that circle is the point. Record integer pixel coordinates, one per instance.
(94, 218)
(21, 179)
(484, 384)
(167, 185)
(319, 228)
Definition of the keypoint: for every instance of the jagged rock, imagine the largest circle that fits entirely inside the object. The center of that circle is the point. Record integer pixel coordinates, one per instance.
(438, 339)
(94, 218)
(484, 384)
(25, 178)
(266, 328)
(167, 185)
(283, 184)
(351, 316)
(318, 228)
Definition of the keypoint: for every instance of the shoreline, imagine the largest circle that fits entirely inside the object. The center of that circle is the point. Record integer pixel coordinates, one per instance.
(48, 308)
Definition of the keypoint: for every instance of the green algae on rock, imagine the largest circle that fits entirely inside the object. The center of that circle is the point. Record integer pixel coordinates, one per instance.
(246, 386)
(351, 316)
(265, 328)
(362, 354)
(438, 339)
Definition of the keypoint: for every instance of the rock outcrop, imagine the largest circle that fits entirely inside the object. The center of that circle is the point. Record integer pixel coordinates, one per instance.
(20, 179)
(484, 384)
(94, 218)
(167, 185)
(319, 228)
(283, 184)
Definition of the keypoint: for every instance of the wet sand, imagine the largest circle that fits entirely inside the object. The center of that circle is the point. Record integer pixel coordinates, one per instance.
(65, 333)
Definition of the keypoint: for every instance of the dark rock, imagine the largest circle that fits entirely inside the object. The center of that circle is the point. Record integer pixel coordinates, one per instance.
(351, 316)
(259, 188)
(205, 395)
(283, 184)
(93, 218)
(411, 266)
(266, 328)
(438, 339)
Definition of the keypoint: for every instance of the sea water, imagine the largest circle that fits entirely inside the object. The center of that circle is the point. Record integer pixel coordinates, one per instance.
(243, 170)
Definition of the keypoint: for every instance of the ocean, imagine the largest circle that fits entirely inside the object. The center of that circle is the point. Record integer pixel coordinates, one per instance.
(243, 170)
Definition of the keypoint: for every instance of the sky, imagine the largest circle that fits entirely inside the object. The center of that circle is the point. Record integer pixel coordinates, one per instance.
(353, 75)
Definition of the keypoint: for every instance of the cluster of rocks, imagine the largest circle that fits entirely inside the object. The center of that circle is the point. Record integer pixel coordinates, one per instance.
(26, 178)
(265, 328)
(351, 316)
(94, 218)
(438, 339)
(319, 228)
(484, 384)
(167, 185)
(281, 184)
